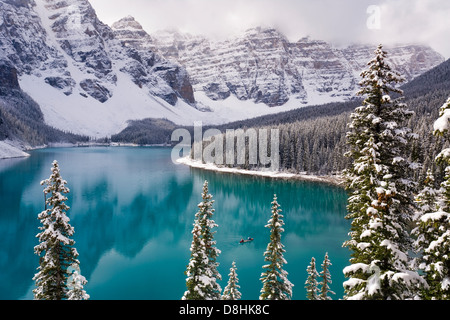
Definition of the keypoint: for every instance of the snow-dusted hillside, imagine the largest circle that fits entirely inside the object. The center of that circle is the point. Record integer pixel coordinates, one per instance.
(90, 78)
(11, 149)
(83, 77)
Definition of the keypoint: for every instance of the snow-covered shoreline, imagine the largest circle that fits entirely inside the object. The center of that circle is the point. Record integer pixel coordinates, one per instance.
(332, 179)
(10, 149)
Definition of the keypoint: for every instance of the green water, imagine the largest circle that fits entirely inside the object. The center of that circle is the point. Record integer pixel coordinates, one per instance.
(133, 209)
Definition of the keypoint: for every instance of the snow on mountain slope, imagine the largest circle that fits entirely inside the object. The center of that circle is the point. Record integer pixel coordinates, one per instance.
(10, 149)
(90, 78)
(88, 116)
(84, 78)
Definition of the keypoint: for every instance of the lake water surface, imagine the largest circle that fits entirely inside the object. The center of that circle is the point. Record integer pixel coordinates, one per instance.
(133, 210)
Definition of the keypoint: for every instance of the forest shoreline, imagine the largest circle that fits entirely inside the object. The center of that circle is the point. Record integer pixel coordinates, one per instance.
(335, 180)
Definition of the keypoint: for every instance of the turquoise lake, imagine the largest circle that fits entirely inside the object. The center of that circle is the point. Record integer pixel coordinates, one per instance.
(133, 210)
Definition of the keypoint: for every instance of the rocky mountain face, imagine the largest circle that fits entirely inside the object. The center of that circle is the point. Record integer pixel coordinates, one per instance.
(147, 67)
(92, 79)
(8, 77)
(66, 44)
(264, 66)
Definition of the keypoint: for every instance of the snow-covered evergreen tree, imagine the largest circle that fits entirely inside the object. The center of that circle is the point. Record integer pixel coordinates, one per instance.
(76, 285)
(56, 248)
(433, 239)
(311, 284)
(381, 203)
(326, 279)
(427, 202)
(426, 199)
(202, 269)
(276, 285)
(433, 222)
(196, 282)
(442, 124)
(231, 291)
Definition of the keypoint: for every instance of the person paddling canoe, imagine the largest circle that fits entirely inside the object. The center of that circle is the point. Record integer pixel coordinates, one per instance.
(247, 240)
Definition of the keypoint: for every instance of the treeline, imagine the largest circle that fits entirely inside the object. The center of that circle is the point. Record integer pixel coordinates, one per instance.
(22, 119)
(314, 146)
(317, 145)
(158, 131)
(146, 132)
(313, 139)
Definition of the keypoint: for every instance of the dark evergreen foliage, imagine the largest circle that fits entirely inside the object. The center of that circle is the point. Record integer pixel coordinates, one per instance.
(312, 139)
(56, 250)
(146, 132)
(380, 189)
(21, 119)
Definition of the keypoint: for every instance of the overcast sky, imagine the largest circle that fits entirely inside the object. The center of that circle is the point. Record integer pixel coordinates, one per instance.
(340, 22)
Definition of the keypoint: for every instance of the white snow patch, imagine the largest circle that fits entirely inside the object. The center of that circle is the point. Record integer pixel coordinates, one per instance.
(434, 216)
(271, 174)
(87, 116)
(10, 149)
(442, 123)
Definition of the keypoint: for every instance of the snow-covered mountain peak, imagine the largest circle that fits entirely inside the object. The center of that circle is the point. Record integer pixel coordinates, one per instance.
(78, 69)
(129, 22)
(263, 66)
(262, 33)
(90, 78)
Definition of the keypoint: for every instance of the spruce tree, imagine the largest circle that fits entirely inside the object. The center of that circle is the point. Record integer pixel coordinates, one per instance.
(326, 279)
(196, 282)
(231, 291)
(431, 243)
(381, 203)
(426, 199)
(76, 285)
(56, 248)
(427, 202)
(311, 284)
(441, 125)
(202, 269)
(433, 222)
(276, 286)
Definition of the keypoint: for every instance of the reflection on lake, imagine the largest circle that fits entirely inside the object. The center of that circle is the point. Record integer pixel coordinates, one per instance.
(133, 209)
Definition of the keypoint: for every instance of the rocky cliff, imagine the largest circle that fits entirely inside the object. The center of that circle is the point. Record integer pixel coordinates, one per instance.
(147, 67)
(8, 77)
(92, 79)
(66, 44)
(264, 66)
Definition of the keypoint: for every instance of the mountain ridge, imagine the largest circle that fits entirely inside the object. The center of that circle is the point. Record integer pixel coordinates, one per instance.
(78, 72)
(92, 79)
(424, 94)
(311, 71)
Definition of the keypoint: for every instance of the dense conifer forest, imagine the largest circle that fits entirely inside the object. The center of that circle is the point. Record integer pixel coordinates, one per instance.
(21, 119)
(312, 139)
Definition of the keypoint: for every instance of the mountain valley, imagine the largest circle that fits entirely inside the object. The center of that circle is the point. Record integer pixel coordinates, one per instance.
(88, 80)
